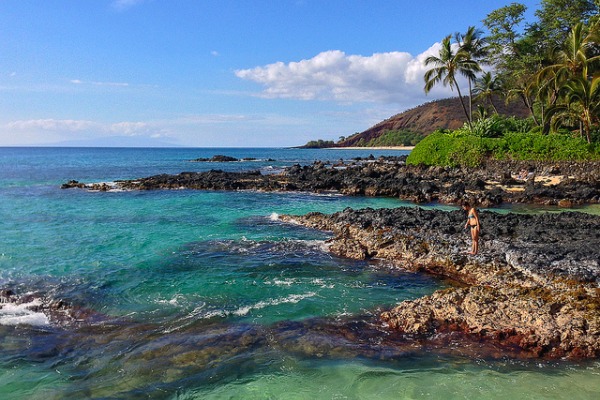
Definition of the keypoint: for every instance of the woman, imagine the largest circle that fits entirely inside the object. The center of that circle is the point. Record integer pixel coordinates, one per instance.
(473, 224)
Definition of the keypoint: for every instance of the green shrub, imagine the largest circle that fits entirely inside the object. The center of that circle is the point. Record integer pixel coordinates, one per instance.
(319, 144)
(431, 151)
(553, 147)
(496, 125)
(458, 148)
(469, 151)
(444, 149)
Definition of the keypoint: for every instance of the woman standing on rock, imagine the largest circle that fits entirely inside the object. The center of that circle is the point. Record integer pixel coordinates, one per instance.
(473, 224)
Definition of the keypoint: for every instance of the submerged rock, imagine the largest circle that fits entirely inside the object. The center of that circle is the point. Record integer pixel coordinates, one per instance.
(34, 308)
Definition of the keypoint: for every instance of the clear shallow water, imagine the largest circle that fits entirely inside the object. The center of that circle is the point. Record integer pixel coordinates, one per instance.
(202, 295)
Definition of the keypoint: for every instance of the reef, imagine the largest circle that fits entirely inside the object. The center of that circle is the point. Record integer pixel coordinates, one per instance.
(532, 290)
(496, 182)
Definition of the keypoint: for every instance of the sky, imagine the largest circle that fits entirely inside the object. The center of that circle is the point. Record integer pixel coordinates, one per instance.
(217, 73)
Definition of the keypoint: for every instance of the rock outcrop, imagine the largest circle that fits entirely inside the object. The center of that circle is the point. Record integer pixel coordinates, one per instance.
(534, 287)
(564, 184)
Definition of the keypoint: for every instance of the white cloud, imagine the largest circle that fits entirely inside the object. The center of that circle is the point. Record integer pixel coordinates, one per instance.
(85, 127)
(131, 128)
(69, 125)
(99, 83)
(394, 77)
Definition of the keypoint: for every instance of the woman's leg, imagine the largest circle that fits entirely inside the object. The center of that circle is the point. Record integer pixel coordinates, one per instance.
(475, 236)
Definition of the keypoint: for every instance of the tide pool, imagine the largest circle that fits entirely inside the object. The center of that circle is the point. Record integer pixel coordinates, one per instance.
(199, 295)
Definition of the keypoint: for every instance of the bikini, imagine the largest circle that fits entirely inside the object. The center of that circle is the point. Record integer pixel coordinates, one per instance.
(472, 226)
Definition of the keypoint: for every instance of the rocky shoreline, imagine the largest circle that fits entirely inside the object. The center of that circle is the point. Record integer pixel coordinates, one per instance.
(562, 184)
(533, 289)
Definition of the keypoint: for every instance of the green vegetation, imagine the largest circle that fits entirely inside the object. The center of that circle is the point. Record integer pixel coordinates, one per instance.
(319, 144)
(552, 66)
(396, 138)
(461, 148)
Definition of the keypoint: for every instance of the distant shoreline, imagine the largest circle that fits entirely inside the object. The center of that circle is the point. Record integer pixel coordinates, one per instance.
(372, 148)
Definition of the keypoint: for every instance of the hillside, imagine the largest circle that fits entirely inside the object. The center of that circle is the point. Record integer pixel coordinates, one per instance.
(426, 118)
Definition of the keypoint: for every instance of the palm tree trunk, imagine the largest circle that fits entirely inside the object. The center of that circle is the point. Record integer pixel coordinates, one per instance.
(492, 103)
(528, 104)
(470, 102)
(462, 103)
(588, 126)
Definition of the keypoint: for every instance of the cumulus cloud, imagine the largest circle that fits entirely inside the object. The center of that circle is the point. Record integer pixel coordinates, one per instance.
(393, 77)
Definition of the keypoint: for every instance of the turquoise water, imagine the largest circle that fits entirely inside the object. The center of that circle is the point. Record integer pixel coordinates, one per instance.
(204, 295)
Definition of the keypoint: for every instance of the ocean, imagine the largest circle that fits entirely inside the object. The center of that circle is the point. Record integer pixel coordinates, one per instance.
(205, 295)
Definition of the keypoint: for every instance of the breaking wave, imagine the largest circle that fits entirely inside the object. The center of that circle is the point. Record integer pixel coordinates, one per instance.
(23, 314)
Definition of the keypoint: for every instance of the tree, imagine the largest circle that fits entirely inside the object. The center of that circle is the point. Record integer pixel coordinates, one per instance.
(573, 76)
(450, 62)
(486, 87)
(574, 57)
(582, 97)
(475, 46)
(515, 56)
(502, 24)
(558, 17)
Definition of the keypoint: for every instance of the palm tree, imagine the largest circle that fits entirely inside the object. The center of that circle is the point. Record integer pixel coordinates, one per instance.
(486, 87)
(475, 45)
(446, 66)
(573, 58)
(571, 78)
(582, 98)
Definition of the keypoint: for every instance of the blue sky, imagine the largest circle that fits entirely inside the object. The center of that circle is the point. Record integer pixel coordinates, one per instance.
(216, 73)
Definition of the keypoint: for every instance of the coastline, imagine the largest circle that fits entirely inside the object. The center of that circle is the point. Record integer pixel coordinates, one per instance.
(494, 184)
(535, 285)
(405, 148)
(531, 292)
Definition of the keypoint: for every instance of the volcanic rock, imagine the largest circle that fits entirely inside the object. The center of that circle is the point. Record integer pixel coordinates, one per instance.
(534, 285)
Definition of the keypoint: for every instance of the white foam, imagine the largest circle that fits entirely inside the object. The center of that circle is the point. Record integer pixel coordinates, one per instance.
(20, 314)
(274, 217)
(174, 301)
(320, 282)
(294, 298)
(245, 310)
(321, 245)
(284, 282)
